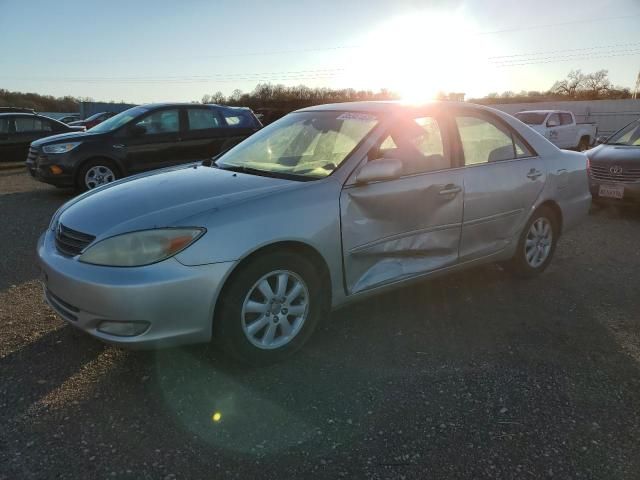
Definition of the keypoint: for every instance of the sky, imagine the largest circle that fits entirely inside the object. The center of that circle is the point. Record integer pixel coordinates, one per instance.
(142, 51)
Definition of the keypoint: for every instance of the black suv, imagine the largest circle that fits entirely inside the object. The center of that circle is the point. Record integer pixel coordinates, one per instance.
(141, 138)
(19, 128)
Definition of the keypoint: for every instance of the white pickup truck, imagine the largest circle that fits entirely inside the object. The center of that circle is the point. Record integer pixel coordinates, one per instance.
(560, 128)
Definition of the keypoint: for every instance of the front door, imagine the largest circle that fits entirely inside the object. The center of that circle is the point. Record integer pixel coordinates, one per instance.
(410, 225)
(502, 180)
(153, 141)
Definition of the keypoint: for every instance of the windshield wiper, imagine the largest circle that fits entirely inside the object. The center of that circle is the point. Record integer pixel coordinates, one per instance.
(263, 173)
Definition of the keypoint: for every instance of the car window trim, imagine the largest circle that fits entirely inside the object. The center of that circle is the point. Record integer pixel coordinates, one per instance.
(135, 121)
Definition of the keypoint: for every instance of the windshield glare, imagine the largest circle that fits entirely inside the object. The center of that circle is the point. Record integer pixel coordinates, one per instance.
(310, 144)
(118, 120)
(629, 135)
(531, 118)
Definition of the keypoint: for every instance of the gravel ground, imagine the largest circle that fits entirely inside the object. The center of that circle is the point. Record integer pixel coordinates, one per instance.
(475, 375)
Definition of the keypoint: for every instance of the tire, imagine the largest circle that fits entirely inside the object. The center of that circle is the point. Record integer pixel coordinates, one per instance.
(106, 169)
(583, 144)
(245, 316)
(523, 263)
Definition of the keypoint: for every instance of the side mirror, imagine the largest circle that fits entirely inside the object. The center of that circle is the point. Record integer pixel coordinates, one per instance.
(379, 170)
(138, 129)
(601, 139)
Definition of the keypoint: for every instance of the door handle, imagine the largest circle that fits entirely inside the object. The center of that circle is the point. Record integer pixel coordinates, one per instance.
(450, 190)
(533, 174)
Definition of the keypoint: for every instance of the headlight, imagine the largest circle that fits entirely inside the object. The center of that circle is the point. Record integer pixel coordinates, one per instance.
(141, 248)
(60, 147)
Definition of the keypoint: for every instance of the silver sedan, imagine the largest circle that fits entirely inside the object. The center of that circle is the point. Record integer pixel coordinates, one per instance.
(328, 205)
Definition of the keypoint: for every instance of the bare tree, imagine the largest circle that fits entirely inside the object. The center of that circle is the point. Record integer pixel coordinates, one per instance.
(597, 84)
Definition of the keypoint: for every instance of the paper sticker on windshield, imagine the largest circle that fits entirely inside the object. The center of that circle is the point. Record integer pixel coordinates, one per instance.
(363, 117)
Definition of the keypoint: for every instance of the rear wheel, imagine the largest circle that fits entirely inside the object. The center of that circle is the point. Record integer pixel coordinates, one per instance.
(269, 308)
(537, 244)
(96, 173)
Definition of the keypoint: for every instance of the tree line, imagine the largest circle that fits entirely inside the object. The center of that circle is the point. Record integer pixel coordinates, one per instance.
(280, 98)
(576, 86)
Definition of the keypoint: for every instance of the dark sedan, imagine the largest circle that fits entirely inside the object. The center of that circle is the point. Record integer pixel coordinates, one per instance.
(139, 139)
(614, 166)
(18, 130)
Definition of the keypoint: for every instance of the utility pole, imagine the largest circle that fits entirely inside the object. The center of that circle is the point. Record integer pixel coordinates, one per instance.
(637, 89)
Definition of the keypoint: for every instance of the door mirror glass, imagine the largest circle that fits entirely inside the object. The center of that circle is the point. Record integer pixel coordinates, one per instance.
(601, 139)
(379, 170)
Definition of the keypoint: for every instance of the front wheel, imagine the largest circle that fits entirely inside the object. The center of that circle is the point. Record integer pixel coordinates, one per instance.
(269, 308)
(96, 173)
(536, 245)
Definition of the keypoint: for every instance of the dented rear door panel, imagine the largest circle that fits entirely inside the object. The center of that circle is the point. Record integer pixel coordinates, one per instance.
(400, 228)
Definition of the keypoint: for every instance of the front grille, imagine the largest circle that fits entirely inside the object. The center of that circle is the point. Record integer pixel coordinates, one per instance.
(33, 155)
(603, 172)
(71, 242)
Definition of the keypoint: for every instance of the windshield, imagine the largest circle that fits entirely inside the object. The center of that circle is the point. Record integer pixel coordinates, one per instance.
(310, 144)
(531, 118)
(118, 120)
(629, 135)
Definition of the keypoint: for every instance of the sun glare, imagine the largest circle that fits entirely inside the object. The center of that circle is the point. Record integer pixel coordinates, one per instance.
(419, 56)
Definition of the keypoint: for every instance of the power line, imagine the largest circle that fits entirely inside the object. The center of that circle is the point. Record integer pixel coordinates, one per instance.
(616, 45)
(568, 59)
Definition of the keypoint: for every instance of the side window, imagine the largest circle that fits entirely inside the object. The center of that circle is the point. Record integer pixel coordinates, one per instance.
(418, 144)
(565, 119)
(202, 119)
(4, 124)
(553, 120)
(163, 121)
(32, 124)
(236, 119)
(483, 141)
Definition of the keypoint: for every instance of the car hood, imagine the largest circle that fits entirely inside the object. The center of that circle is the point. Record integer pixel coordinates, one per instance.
(166, 198)
(620, 155)
(79, 135)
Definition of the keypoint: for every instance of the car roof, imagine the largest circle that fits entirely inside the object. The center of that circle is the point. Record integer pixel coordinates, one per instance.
(25, 114)
(544, 111)
(391, 106)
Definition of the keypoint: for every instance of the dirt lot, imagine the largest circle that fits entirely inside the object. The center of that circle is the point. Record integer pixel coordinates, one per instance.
(475, 375)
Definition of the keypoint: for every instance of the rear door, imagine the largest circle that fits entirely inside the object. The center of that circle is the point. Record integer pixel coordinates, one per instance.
(205, 133)
(8, 147)
(503, 177)
(407, 226)
(153, 141)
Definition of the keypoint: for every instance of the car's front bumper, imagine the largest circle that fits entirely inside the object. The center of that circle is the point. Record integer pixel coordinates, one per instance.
(177, 301)
(39, 167)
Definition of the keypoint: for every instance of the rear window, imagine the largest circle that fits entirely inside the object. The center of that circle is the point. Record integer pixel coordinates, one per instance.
(531, 118)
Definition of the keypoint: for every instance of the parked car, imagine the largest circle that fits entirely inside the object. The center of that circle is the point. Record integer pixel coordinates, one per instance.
(325, 206)
(561, 128)
(614, 166)
(139, 139)
(16, 110)
(18, 130)
(93, 120)
(69, 118)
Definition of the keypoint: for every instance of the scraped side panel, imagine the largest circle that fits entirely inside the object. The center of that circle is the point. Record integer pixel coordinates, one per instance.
(398, 229)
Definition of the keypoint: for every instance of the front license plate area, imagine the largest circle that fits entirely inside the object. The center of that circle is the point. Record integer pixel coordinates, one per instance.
(611, 191)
